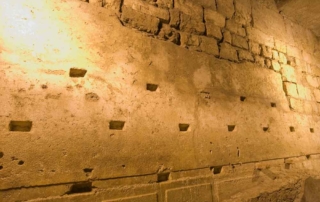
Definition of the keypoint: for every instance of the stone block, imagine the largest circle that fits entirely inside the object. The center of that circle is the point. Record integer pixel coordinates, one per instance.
(282, 58)
(296, 104)
(140, 21)
(260, 37)
(245, 56)
(213, 31)
(235, 28)
(259, 60)
(190, 8)
(304, 92)
(164, 3)
(255, 48)
(275, 55)
(290, 89)
(240, 42)
(268, 63)
(228, 52)
(294, 51)
(209, 45)
(96, 2)
(192, 193)
(280, 46)
(148, 9)
(212, 16)
(275, 65)
(169, 34)
(288, 73)
(189, 40)
(243, 11)
(312, 81)
(225, 7)
(266, 52)
(227, 37)
(291, 61)
(191, 25)
(112, 4)
(174, 18)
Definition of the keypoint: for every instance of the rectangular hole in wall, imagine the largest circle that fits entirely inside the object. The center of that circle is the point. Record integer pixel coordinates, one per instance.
(231, 128)
(242, 98)
(273, 104)
(311, 130)
(80, 188)
(162, 177)
(116, 125)
(287, 165)
(76, 72)
(216, 170)
(292, 129)
(265, 129)
(152, 87)
(183, 127)
(21, 126)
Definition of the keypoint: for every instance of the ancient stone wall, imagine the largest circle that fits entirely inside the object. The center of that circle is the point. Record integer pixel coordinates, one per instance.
(156, 101)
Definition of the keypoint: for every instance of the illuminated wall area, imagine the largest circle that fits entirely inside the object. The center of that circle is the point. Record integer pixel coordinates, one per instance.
(158, 101)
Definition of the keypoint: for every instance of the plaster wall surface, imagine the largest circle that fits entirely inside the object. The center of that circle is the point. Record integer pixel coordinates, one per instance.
(156, 101)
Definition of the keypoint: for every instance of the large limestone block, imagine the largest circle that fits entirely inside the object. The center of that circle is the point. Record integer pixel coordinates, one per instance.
(225, 7)
(290, 89)
(212, 16)
(209, 45)
(288, 73)
(228, 52)
(243, 11)
(191, 25)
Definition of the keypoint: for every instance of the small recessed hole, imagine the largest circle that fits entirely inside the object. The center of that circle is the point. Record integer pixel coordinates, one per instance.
(116, 125)
(88, 170)
(1, 167)
(273, 104)
(1, 154)
(152, 87)
(21, 126)
(231, 128)
(20, 162)
(81, 188)
(76, 72)
(265, 129)
(292, 129)
(287, 165)
(311, 130)
(162, 177)
(242, 98)
(308, 157)
(183, 127)
(216, 170)
(123, 166)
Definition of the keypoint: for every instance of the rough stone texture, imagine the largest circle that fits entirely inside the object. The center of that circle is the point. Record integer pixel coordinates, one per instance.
(212, 16)
(228, 52)
(140, 21)
(240, 42)
(236, 28)
(213, 31)
(225, 7)
(155, 113)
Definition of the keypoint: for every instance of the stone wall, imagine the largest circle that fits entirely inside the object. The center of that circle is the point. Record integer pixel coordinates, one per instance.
(200, 101)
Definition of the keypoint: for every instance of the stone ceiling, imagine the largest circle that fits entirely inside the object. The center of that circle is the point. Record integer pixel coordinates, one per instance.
(304, 12)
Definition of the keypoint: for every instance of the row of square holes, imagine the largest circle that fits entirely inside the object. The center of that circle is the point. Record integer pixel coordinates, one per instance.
(118, 125)
(25, 126)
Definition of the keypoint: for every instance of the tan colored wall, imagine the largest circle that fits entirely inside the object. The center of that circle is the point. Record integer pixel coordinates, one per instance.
(237, 66)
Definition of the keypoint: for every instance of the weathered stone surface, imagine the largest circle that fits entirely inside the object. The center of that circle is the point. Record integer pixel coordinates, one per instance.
(174, 18)
(245, 55)
(275, 65)
(213, 31)
(148, 9)
(290, 89)
(243, 11)
(225, 7)
(293, 51)
(282, 58)
(275, 55)
(316, 93)
(255, 48)
(212, 16)
(227, 36)
(140, 21)
(260, 37)
(112, 4)
(259, 60)
(288, 73)
(228, 52)
(236, 28)
(280, 46)
(191, 25)
(296, 104)
(312, 81)
(209, 45)
(188, 40)
(268, 63)
(240, 42)
(304, 92)
(266, 52)
(190, 8)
